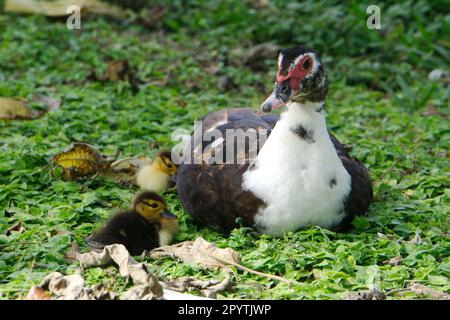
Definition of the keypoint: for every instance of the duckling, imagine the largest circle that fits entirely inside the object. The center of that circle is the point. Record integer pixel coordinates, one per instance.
(159, 175)
(148, 225)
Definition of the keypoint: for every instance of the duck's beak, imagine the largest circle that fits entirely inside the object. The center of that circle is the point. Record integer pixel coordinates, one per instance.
(278, 98)
(168, 215)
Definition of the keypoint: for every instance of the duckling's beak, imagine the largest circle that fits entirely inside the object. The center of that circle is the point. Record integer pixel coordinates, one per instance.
(168, 215)
(278, 98)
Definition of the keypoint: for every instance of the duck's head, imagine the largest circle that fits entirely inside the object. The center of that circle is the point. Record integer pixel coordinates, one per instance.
(301, 78)
(163, 162)
(152, 207)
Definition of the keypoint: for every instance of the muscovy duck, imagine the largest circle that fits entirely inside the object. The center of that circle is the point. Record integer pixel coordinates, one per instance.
(300, 175)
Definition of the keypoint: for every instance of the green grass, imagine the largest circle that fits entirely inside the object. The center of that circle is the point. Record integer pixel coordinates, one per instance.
(379, 90)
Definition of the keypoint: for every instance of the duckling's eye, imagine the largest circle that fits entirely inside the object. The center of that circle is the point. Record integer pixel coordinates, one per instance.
(169, 165)
(153, 205)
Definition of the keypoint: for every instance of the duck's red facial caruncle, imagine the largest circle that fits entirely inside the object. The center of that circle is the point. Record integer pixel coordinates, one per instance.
(296, 68)
(296, 74)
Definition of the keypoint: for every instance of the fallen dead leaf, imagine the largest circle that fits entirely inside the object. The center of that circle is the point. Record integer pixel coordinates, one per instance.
(147, 287)
(128, 267)
(433, 111)
(226, 83)
(200, 252)
(59, 232)
(254, 57)
(37, 293)
(72, 287)
(58, 8)
(16, 109)
(372, 294)
(261, 52)
(71, 254)
(52, 104)
(260, 4)
(121, 70)
(130, 164)
(209, 288)
(207, 254)
(124, 171)
(153, 17)
(395, 261)
(417, 239)
(81, 160)
(422, 290)
(18, 227)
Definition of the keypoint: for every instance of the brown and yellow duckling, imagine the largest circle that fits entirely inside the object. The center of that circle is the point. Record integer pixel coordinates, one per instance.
(157, 176)
(148, 225)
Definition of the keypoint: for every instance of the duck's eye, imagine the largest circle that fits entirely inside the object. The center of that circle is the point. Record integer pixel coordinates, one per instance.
(306, 64)
(153, 205)
(169, 165)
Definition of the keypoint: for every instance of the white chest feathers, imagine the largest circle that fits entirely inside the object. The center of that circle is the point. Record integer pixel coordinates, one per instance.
(151, 179)
(298, 174)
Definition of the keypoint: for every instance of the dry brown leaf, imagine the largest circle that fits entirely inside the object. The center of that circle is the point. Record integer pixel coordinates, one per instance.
(433, 111)
(18, 227)
(37, 293)
(15, 109)
(154, 16)
(128, 267)
(141, 292)
(208, 255)
(200, 252)
(121, 70)
(209, 288)
(81, 160)
(124, 171)
(71, 254)
(131, 164)
(422, 290)
(254, 57)
(58, 8)
(261, 52)
(72, 287)
(395, 261)
(52, 104)
(372, 294)
(260, 4)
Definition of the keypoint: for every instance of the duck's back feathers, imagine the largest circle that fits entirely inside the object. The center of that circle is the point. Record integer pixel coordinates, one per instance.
(212, 193)
(127, 228)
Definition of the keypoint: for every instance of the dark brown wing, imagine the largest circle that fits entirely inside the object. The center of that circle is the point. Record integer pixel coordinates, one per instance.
(361, 194)
(212, 193)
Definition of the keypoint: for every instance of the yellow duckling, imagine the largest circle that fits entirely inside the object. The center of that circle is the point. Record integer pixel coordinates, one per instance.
(157, 176)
